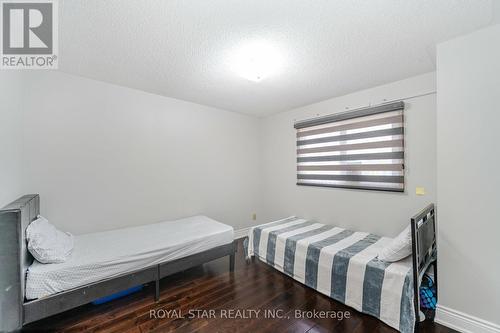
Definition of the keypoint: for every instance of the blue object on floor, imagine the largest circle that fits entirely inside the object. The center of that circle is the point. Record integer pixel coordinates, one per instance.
(428, 299)
(117, 295)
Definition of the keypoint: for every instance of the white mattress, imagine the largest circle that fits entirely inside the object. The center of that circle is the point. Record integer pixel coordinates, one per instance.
(102, 255)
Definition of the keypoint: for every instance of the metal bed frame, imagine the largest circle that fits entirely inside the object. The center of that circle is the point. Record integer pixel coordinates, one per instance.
(16, 311)
(424, 251)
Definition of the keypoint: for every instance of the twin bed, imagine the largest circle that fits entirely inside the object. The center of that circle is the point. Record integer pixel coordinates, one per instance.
(102, 263)
(343, 264)
(101, 255)
(339, 263)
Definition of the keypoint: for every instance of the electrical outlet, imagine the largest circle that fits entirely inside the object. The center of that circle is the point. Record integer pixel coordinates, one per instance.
(254, 216)
(420, 191)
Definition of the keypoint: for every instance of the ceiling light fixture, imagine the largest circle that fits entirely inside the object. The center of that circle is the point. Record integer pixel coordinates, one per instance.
(256, 60)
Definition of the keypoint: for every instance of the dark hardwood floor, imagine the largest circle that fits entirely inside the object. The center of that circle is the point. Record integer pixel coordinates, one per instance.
(252, 286)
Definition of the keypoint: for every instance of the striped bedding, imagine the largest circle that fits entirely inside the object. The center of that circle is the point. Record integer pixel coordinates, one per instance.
(341, 264)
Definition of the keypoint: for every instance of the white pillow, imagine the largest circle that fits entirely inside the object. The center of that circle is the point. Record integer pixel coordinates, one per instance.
(399, 248)
(47, 244)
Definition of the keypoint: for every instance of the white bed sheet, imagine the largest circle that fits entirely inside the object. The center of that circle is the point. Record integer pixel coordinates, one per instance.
(102, 255)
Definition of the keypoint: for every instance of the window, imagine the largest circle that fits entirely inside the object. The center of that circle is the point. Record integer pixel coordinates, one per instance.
(361, 149)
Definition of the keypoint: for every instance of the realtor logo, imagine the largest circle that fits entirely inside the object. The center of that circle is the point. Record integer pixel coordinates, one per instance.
(29, 34)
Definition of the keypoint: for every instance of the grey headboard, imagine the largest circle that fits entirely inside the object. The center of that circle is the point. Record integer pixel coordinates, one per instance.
(15, 258)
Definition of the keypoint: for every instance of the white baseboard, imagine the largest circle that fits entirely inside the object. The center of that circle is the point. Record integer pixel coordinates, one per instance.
(240, 233)
(463, 322)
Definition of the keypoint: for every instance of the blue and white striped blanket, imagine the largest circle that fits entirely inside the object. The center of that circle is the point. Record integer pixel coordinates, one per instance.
(341, 264)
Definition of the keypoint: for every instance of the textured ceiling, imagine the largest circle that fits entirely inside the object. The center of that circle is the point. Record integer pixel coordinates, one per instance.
(182, 48)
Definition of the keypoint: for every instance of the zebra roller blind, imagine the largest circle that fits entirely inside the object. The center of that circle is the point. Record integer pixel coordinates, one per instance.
(361, 149)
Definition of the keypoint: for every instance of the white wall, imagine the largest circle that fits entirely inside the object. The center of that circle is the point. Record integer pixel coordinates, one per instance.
(380, 212)
(103, 156)
(11, 94)
(468, 127)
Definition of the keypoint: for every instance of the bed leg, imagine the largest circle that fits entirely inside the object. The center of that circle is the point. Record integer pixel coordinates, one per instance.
(157, 290)
(436, 281)
(231, 262)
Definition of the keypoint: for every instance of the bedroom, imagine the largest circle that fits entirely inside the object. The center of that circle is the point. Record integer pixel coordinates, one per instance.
(162, 131)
